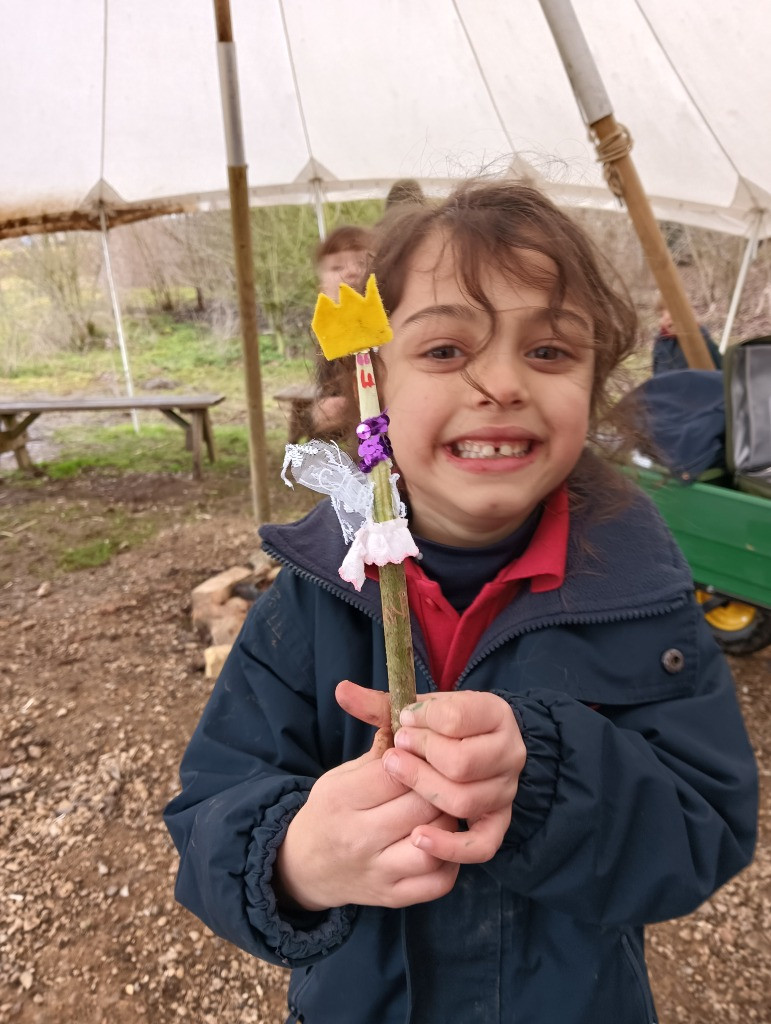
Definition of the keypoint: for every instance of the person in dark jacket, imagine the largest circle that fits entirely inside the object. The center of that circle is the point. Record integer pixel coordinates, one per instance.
(575, 765)
(667, 354)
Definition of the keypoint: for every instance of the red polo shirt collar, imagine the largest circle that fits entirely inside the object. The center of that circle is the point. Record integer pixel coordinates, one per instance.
(451, 637)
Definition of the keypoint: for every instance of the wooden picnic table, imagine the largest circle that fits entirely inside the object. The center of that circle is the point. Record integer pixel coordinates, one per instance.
(297, 403)
(16, 417)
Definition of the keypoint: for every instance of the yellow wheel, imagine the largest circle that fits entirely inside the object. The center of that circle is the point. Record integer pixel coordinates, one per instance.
(729, 617)
(739, 628)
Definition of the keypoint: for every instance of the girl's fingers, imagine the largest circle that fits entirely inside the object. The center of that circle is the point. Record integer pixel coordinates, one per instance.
(397, 819)
(415, 876)
(470, 759)
(383, 740)
(468, 800)
(476, 846)
(465, 713)
(370, 706)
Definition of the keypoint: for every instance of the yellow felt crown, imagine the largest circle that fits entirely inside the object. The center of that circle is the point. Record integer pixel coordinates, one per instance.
(355, 323)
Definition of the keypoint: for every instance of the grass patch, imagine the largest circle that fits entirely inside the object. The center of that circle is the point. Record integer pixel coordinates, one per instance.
(155, 449)
(67, 534)
(89, 556)
(102, 530)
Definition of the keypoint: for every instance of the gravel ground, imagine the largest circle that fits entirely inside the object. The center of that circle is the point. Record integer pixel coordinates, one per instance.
(101, 683)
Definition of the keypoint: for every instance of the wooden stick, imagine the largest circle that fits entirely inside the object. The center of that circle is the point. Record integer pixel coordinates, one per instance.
(393, 583)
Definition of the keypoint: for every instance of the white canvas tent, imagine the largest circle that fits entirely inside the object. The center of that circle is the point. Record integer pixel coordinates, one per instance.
(116, 102)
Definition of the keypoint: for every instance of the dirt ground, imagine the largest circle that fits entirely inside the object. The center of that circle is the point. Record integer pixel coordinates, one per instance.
(101, 683)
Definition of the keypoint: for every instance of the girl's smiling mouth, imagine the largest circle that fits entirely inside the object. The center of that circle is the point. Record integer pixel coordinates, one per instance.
(488, 450)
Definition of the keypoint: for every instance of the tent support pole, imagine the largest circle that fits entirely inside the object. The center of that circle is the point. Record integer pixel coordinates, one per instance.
(318, 203)
(242, 245)
(749, 255)
(613, 146)
(117, 317)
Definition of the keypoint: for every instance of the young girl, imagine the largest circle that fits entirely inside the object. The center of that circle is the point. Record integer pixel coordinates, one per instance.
(575, 765)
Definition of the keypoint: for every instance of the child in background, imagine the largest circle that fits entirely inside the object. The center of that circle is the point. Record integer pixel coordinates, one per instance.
(341, 258)
(667, 354)
(576, 764)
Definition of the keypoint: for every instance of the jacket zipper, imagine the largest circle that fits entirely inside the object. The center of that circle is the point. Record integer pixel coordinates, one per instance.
(345, 597)
(560, 620)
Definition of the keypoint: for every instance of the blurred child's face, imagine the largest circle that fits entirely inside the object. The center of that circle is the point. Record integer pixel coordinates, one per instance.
(665, 322)
(346, 267)
(477, 466)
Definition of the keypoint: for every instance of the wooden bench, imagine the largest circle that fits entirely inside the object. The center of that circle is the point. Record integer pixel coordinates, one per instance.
(16, 417)
(297, 402)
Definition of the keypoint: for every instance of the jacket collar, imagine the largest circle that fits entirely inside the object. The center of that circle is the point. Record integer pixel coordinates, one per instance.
(628, 562)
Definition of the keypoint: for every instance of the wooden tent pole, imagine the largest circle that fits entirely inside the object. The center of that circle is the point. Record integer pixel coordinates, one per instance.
(613, 146)
(242, 244)
(622, 173)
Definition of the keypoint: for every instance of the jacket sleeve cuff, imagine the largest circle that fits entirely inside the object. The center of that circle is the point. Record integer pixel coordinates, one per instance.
(538, 781)
(298, 939)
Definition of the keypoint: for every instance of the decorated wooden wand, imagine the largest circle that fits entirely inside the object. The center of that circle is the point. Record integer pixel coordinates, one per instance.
(353, 326)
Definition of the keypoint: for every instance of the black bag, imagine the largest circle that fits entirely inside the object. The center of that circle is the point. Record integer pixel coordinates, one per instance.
(748, 407)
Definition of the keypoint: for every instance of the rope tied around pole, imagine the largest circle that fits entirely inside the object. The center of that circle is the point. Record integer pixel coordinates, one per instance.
(616, 145)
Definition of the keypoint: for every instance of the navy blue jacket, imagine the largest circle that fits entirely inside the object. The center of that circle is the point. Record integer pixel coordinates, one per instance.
(637, 800)
(682, 413)
(667, 354)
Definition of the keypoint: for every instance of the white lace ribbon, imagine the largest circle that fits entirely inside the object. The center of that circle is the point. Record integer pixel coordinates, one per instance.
(322, 467)
(377, 544)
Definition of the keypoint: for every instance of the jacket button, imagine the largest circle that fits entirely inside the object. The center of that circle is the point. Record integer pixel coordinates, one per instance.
(673, 660)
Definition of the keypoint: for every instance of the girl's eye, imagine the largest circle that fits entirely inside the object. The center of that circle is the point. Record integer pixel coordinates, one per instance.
(549, 352)
(444, 352)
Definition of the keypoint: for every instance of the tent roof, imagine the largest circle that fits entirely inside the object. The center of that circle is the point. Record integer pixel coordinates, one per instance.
(116, 102)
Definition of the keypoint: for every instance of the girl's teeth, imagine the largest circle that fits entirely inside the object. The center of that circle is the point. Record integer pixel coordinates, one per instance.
(485, 450)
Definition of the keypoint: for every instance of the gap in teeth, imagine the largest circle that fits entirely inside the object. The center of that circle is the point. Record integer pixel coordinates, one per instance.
(486, 450)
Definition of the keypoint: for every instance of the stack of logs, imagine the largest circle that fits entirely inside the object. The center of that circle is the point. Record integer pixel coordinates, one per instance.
(220, 605)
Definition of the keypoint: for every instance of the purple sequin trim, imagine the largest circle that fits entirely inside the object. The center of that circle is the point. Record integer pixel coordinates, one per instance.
(375, 446)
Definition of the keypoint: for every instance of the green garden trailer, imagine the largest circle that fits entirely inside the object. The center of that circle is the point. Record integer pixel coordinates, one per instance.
(725, 534)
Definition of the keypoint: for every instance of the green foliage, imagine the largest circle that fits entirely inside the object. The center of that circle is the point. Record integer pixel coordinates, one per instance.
(188, 355)
(54, 298)
(365, 212)
(63, 268)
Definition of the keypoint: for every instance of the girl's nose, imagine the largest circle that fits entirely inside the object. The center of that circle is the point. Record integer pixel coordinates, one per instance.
(501, 381)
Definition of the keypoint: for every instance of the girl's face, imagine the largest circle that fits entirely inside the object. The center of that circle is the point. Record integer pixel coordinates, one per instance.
(475, 466)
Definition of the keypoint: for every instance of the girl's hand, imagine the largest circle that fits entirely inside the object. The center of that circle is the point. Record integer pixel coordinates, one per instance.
(463, 753)
(351, 841)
